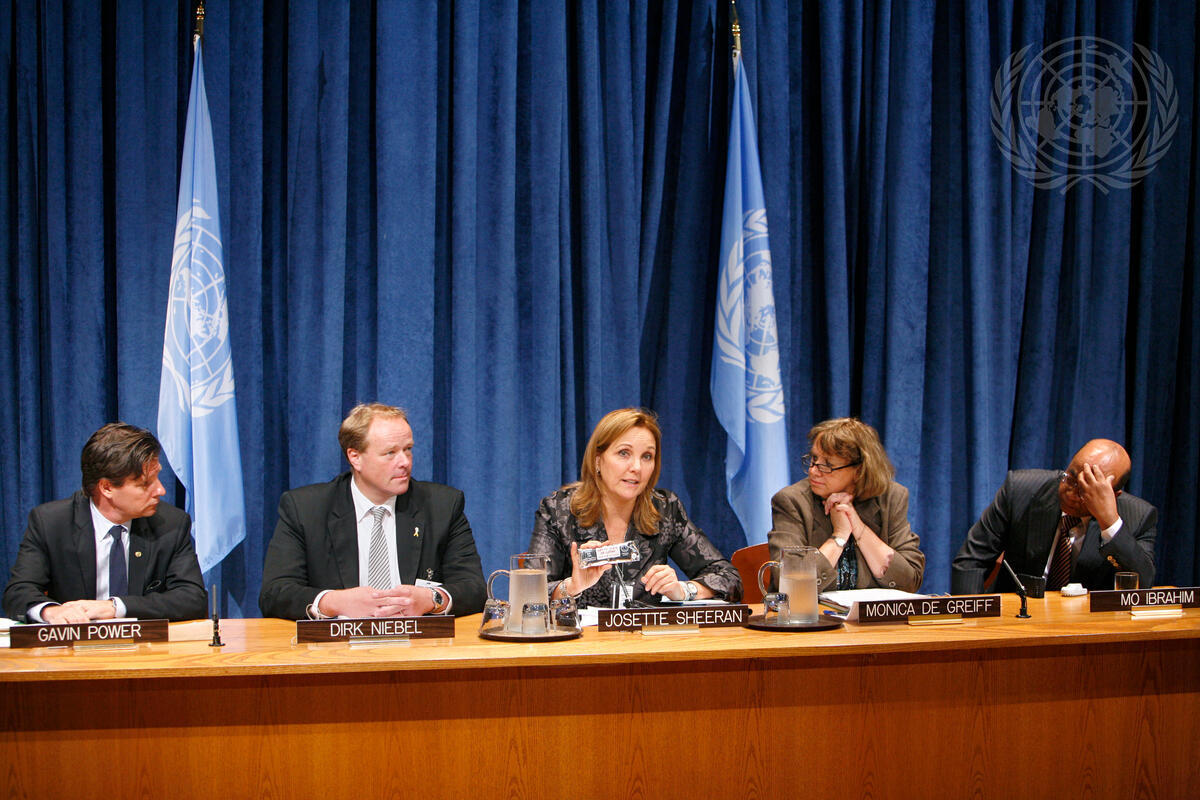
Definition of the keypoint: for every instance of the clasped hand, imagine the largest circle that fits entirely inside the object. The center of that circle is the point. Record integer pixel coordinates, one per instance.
(840, 508)
(364, 601)
(77, 611)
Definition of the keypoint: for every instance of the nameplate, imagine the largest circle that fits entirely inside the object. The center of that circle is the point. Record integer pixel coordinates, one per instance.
(349, 630)
(1125, 599)
(71, 634)
(961, 607)
(633, 619)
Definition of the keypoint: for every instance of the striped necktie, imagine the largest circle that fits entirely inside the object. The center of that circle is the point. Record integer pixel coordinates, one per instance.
(1060, 565)
(378, 569)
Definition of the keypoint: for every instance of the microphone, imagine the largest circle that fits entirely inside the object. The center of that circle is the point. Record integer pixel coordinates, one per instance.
(216, 618)
(1024, 612)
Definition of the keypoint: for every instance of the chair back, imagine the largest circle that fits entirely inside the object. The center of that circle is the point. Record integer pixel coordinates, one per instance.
(747, 561)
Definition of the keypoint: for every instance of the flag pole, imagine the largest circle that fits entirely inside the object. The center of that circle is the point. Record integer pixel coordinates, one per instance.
(736, 30)
(198, 30)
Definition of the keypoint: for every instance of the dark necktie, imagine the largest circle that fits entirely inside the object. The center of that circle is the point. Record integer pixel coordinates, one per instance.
(1060, 565)
(118, 577)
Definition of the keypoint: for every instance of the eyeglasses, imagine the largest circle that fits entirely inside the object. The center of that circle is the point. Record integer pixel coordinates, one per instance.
(1068, 481)
(825, 469)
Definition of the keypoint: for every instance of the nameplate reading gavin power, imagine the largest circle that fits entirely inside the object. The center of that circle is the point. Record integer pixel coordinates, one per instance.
(632, 619)
(1125, 599)
(70, 634)
(349, 630)
(964, 606)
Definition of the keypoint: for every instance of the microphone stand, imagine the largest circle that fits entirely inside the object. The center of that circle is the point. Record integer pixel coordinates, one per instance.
(1024, 612)
(216, 619)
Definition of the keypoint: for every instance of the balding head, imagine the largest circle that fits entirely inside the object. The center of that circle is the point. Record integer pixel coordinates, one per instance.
(1109, 456)
(1104, 454)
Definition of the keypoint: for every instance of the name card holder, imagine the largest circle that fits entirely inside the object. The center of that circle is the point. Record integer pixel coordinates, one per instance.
(926, 610)
(672, 619)
(97, 634)
(373, 632)
(1146, 602)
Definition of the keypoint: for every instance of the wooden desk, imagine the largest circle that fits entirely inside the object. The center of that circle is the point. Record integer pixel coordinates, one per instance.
(1066, 704)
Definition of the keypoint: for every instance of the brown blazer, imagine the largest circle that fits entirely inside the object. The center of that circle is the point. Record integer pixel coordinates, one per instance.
(798, 518)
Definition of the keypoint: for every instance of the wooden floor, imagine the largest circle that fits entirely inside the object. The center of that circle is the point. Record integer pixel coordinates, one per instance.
(1067, 704)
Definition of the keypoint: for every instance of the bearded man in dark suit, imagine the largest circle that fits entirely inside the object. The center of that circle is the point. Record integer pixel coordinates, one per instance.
(111, 549)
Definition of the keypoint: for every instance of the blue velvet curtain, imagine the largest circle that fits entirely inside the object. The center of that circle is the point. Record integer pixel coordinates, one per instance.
(505, 217)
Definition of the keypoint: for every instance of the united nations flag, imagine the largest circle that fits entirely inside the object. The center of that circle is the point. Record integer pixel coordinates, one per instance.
(747, 391)
(197, 416)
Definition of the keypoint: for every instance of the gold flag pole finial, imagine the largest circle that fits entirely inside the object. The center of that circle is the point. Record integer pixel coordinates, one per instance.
(736, 30)
(198, 31)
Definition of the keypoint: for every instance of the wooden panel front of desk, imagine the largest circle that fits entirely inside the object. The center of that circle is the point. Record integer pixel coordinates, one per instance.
(1110, 719)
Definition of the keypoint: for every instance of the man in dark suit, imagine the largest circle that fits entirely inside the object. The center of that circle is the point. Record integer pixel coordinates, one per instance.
(112, 549)
(1072, 526)
(372, 542)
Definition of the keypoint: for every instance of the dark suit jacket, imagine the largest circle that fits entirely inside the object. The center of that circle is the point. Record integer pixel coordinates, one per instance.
(315, 547)
(57, 561)
(1021, 523)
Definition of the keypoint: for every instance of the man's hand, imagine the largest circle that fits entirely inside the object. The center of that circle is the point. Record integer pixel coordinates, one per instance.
(78, 611)
(1096, 493)
(363, 601)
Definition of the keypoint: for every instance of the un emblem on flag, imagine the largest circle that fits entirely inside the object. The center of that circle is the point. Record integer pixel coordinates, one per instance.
(746, 313)
(197, 354)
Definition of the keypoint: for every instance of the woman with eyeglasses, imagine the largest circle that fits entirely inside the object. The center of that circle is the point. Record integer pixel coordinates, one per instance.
(851, 510)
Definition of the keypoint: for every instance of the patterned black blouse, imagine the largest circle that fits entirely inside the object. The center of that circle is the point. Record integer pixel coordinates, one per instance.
(555, 527)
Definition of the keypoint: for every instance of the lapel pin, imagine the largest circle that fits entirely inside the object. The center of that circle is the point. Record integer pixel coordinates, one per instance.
(417, 530)
(137, 554)
(429, 574)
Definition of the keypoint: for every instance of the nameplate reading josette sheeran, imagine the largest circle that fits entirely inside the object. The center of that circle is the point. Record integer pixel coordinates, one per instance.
(71, 634)
(632, 619)
(350, 630)
(964, 606)
(1126, 599)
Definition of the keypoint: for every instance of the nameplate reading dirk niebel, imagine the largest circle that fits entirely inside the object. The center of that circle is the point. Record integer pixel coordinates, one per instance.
(632, 619)
(349, 630)
(1125, 599)
(964, 606)
(70, 634)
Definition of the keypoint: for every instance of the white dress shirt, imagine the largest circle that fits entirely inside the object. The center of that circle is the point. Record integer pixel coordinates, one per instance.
(1076, 535)
(365, 523)
(101, 525)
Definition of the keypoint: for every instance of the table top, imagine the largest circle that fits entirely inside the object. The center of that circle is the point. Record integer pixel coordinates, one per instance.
(264, 646)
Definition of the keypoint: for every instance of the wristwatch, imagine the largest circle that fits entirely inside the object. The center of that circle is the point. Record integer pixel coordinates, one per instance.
(689, 590)
(840, 540)
(439, 600)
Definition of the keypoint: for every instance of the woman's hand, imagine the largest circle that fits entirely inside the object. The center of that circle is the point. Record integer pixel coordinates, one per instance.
(582, 577)
(840, 508)
(661, 579)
